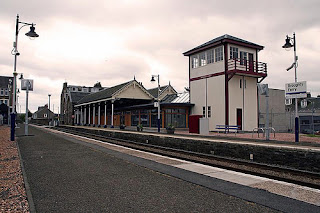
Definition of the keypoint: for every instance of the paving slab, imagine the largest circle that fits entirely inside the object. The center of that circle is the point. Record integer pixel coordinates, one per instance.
(199, 168)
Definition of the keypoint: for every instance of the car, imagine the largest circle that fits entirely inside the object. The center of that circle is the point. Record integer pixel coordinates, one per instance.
(307, 131)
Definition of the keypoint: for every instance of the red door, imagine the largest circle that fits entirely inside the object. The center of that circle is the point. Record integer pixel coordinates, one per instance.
(251, 63)
(239, 119)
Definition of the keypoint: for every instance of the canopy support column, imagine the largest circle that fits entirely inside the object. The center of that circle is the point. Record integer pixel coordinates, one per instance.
(112, 109)
(105, 114)
(94, 115)
(99, 110)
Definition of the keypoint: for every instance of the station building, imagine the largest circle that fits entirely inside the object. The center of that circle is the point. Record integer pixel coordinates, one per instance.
(70, 96)
(223, 77)
(6, 94)
(129, 104)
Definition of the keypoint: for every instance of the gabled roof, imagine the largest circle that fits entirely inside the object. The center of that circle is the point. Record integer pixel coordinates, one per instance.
(154, 91)
(222, 39)
(4, 81)
(103, 94)
(110, 92)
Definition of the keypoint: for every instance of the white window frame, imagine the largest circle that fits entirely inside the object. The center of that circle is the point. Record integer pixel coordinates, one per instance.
(45, 115)
(210, 56)
(195, 61)
(204, 111)
(209, 111)
(234, 52)
(243, 57)
(1, 92)
(202, 59)
(6, 92)
(218, 54)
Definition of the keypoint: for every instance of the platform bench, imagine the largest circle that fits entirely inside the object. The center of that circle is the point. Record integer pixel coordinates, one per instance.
(226, 128)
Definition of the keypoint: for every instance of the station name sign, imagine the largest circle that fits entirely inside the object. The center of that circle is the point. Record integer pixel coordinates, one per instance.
(296, 90)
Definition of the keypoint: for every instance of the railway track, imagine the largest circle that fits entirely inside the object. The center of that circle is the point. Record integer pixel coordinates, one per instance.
(304, 178)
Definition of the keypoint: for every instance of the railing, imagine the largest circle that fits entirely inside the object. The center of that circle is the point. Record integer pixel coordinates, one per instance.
(271, 129)
(246, 65)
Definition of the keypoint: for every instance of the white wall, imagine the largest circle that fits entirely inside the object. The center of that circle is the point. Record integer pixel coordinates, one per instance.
(197, 96)
(244, 98)
(251, 104)
(133, 92)
(235, 99)
(216, 99)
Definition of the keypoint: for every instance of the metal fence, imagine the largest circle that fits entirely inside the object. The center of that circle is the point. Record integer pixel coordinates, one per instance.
(284, 122)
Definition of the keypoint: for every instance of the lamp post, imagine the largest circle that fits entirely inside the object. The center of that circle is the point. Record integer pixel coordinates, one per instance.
(287, 46)
(158, 100)
(49, 95)
(10, 99)
(26, 127)
(15, 52)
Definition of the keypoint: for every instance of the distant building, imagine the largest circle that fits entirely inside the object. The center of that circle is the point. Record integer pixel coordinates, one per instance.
(70, 96)
(223, 77)
(279, 116)
(43, 113)
(5, 97)
(309, 114)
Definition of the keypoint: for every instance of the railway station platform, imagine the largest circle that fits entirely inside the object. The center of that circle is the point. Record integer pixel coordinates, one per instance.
(68, 173)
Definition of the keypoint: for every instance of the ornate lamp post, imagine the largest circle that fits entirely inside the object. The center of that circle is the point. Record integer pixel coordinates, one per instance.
(158, 100)
(288, 46)
(15, 52)
(49, 95)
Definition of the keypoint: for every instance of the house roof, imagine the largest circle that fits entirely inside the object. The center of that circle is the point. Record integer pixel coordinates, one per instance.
(77, 96)
(154, 91)
(222, 39)
(42, 108)
(180, 98)
(4, 81)
(103, 94)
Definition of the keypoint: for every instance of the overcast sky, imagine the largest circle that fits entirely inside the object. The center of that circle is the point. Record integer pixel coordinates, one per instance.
(85, 41)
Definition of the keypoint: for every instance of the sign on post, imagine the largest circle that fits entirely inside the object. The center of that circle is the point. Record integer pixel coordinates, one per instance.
(296, 90)
(288, 101)
(27, 83)
(304, 103)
